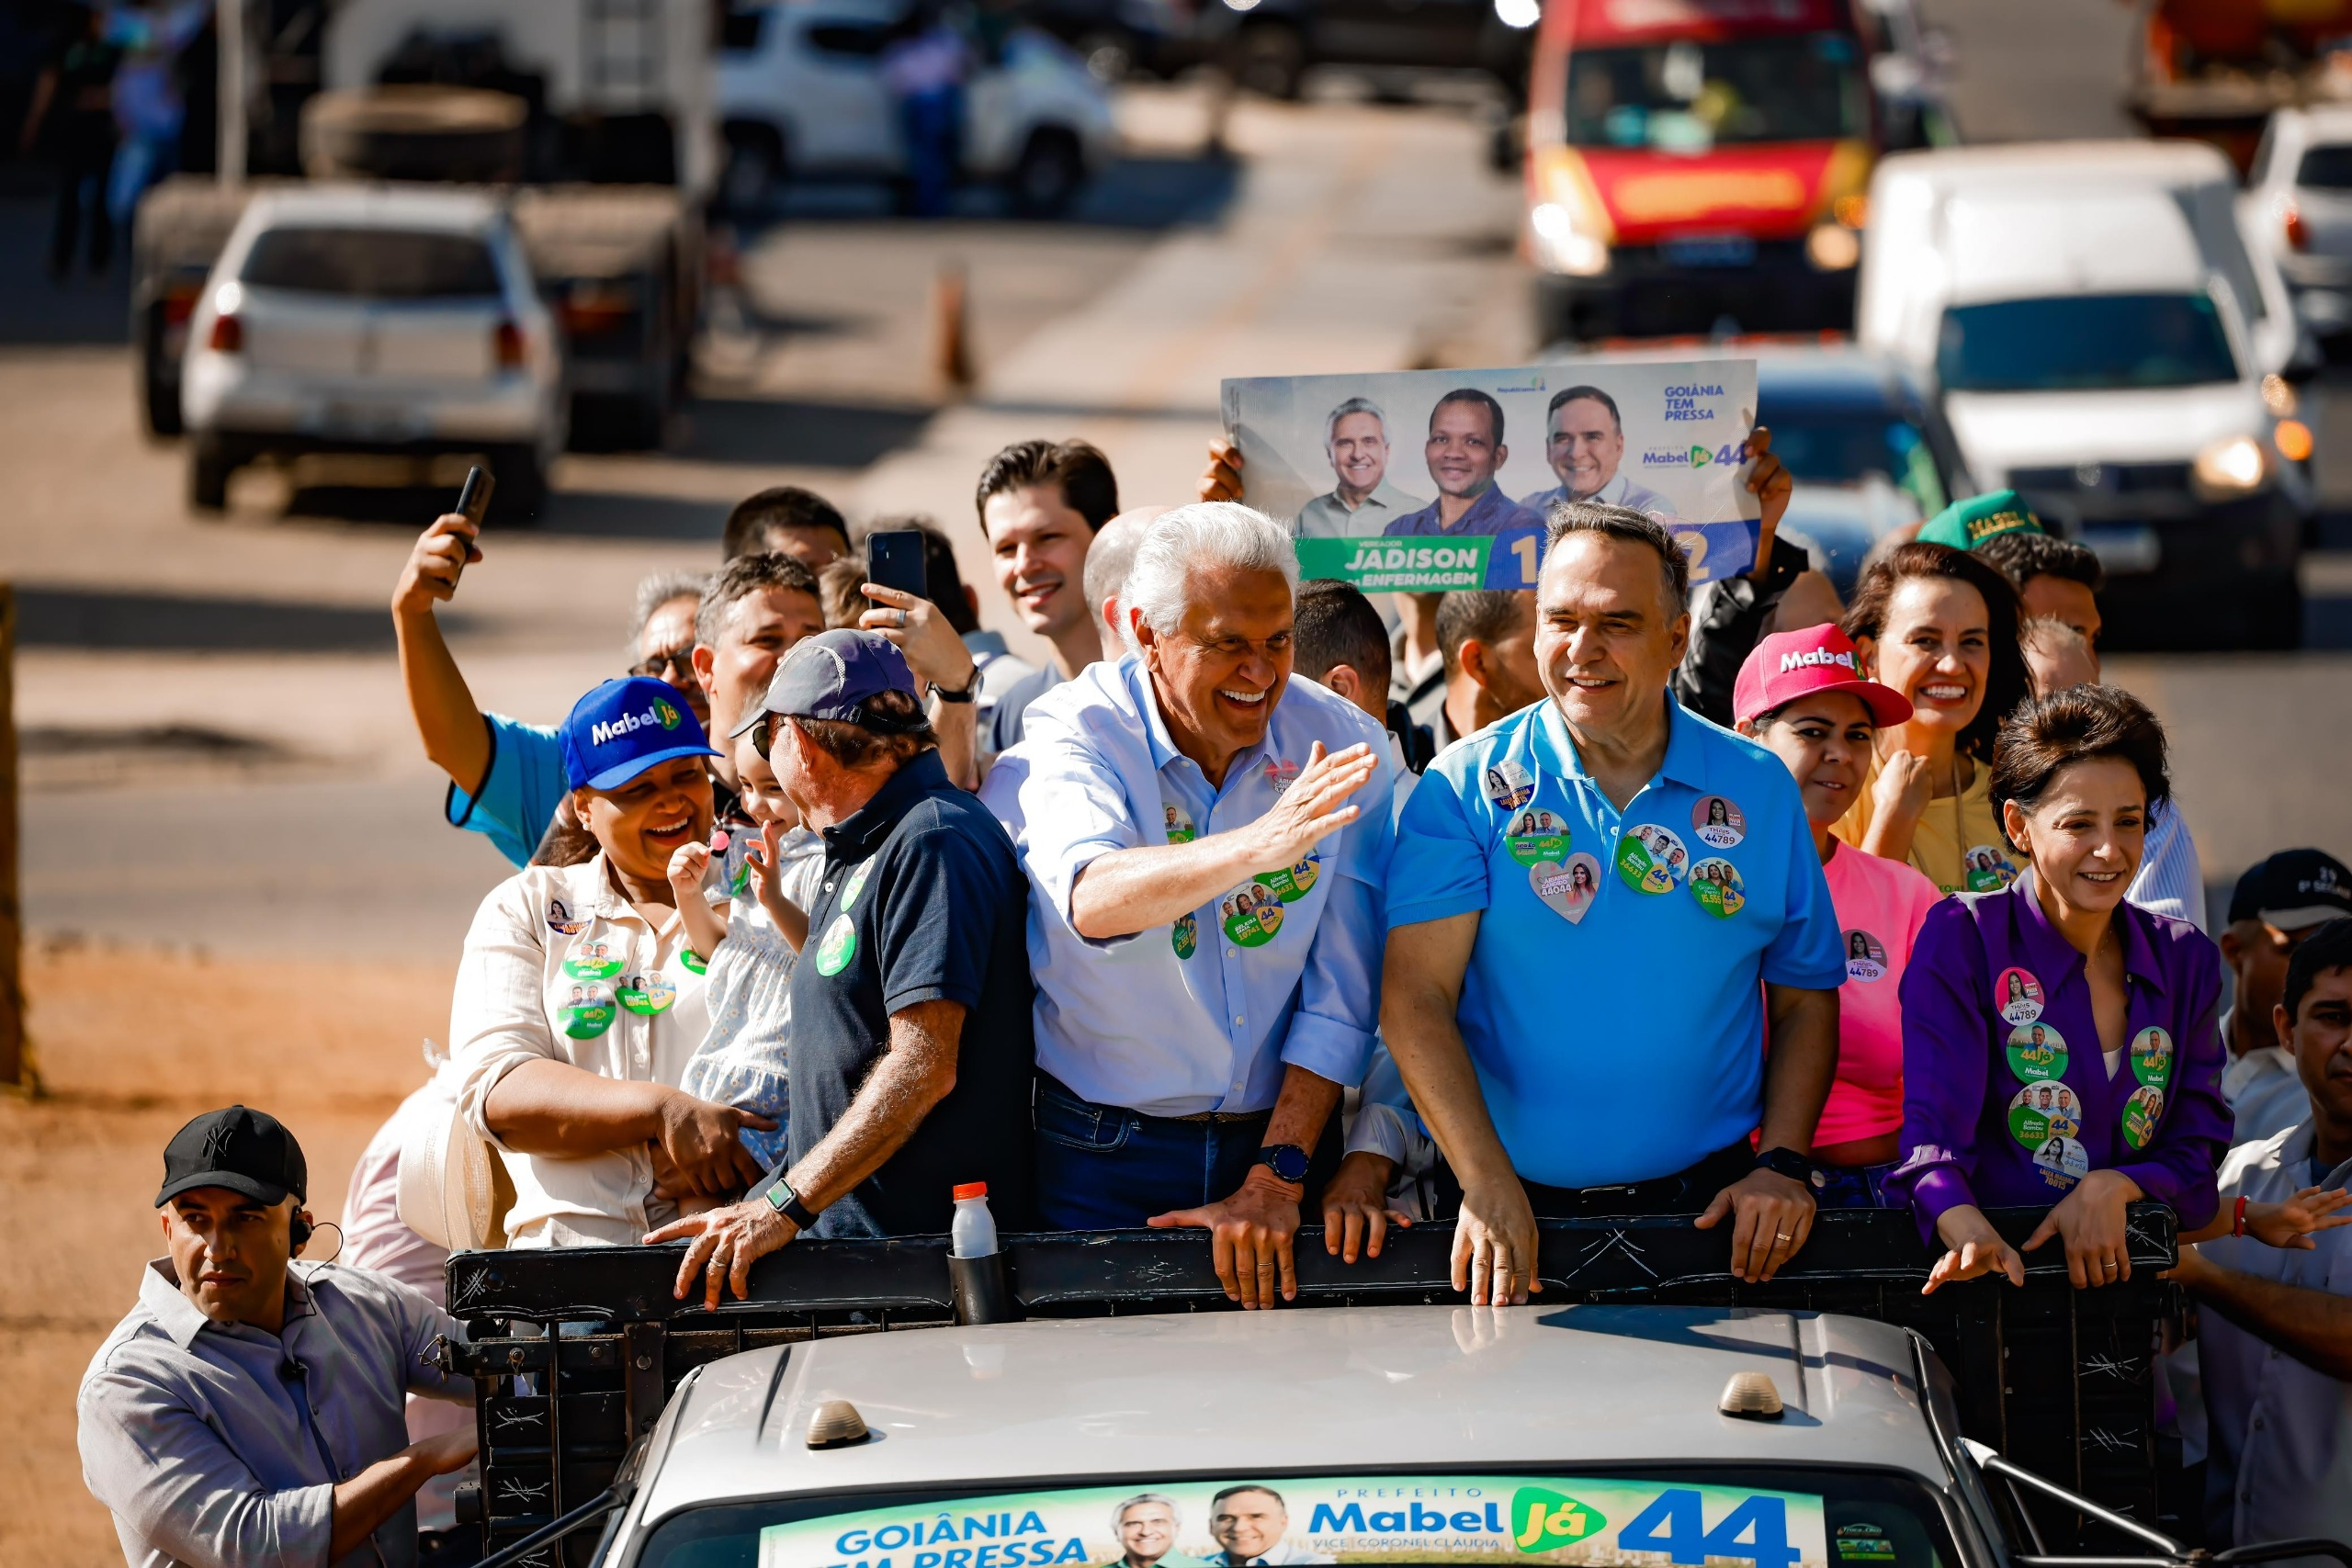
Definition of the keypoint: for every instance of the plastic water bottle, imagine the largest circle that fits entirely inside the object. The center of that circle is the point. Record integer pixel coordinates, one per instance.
(972, 1233)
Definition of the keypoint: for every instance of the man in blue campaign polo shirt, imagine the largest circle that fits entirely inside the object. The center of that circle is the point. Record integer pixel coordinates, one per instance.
(1583, 899)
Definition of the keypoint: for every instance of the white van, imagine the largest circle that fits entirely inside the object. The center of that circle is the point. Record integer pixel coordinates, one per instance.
(2102, 342)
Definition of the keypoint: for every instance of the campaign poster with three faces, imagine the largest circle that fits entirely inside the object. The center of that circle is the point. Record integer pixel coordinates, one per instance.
(1427, 479)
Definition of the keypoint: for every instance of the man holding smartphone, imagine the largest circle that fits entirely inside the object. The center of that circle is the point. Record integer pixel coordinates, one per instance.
(904, 615)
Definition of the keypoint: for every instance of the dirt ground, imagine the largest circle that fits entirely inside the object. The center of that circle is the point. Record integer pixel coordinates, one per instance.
(129, 1044)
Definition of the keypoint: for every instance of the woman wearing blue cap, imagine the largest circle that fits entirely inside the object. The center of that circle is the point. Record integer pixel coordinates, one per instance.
(580, 1000)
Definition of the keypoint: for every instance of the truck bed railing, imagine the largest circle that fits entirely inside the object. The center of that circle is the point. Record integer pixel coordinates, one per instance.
(577, 1350)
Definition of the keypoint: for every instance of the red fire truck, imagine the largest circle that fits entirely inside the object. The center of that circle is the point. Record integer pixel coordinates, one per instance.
(1694, 165)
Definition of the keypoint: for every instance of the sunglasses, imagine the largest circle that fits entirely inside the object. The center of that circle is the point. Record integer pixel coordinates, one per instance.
(679, 660)
(764, 736)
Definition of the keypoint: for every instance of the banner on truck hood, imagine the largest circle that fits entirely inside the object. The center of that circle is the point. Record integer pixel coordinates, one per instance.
(1294, 1520)
(1428, 479)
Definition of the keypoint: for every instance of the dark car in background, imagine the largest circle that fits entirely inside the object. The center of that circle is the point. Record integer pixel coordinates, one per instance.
(1268, 45)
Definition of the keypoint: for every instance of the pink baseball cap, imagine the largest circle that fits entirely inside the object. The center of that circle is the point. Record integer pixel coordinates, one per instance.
(1788, 665)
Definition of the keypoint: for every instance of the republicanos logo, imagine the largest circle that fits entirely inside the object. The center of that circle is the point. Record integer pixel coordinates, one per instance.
(1545, 1521)
(660, 716)
(1814, 655)
(1693, 455)
(1004, 1548)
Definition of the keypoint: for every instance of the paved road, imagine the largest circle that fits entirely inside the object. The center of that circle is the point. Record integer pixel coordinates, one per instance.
(218, 751)
(223, 688)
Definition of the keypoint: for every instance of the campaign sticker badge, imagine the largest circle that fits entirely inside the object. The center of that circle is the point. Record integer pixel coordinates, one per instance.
(2017, 995)
(1281, 773)
(1715, 883)
(2152, 1057)
(2062, 1161)
(562, 920)
(855, 886)
(839, 947)
(2040, 1112)
(649, 993)
(694, 961)
(1508, 784)
(587, 1009)
(1250, 915)
(1568, 890)
(1987, 869)
(2037, 1052)
(1536, 834)
(1293, 883)
(2140, 1114)
(1651, 859)
(1186, 935)
(1178, 823)
(1718, 823)
(1865, 956)
(591, 960)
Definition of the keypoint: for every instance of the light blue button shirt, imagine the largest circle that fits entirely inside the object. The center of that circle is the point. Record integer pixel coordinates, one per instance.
(1178, 1020)
(1617, 1035)
(223, 1443)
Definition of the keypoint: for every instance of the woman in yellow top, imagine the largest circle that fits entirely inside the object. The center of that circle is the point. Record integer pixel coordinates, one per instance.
(1939, 626)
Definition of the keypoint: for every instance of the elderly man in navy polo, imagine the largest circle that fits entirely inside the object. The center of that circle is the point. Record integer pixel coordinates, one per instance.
(1205, 840)
(1603, 1053)
(1465, 452)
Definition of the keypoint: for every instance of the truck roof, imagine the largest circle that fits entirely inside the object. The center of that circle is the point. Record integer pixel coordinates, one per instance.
(1432, 1387)
(1592, 22)
(2069, 165)
(378, 207)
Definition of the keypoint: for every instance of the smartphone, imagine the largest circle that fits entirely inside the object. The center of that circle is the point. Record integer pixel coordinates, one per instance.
(894, 558)
(473, 503)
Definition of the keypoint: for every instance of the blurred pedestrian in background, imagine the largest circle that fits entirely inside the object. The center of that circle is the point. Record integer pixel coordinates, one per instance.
(924, 66)
(71, 123)
(1940, 628)
(148, 109)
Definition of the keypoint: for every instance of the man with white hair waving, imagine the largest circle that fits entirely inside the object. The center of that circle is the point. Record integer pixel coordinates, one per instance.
(1206, 840)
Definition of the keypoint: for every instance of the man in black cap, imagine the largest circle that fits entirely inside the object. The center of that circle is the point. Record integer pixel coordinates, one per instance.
(912, 1054)
(249, 1409)
(2277, 902)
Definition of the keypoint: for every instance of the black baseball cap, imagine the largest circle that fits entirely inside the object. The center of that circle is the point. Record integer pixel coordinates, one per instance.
(832, 674)
(2294, 889)
(246, 1151)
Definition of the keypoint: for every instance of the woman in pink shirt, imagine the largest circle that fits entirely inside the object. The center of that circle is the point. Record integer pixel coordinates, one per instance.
(1801, 695)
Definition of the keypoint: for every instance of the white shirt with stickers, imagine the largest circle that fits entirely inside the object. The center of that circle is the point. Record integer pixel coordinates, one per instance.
(560, 966)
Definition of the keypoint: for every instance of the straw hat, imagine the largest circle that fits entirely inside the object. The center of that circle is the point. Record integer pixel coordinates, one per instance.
(449, 1182)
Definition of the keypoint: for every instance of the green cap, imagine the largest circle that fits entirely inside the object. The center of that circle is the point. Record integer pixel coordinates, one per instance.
(1964, 525)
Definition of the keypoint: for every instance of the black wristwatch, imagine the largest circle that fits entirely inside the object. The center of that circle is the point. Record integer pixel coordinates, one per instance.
(1795, 1166)
(1287, 1161)
(785, 1202)
(971, 689)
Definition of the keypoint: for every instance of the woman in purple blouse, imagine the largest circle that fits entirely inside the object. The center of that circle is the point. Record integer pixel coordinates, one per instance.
(2060, 1046)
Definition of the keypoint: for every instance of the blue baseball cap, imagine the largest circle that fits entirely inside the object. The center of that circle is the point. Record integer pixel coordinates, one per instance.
(830, 676)
(623, 728)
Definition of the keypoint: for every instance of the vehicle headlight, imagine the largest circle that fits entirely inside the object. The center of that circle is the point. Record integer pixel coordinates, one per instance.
(1833, 247)
(2237, 465)
(1571, 227)
(1519, 14)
